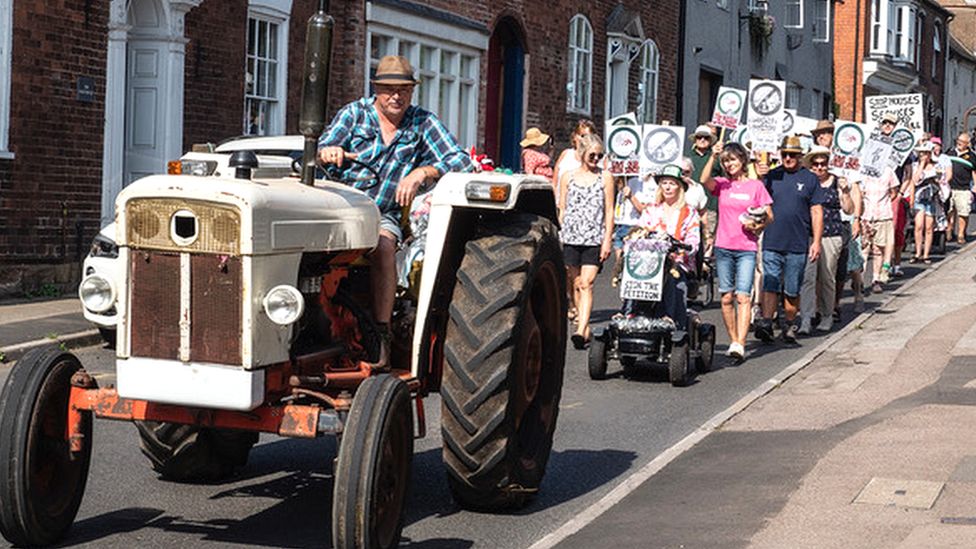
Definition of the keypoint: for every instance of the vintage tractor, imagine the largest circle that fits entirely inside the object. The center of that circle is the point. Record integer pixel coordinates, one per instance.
(243, 309)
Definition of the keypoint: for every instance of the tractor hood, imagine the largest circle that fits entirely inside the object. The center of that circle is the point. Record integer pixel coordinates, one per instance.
(241, 216)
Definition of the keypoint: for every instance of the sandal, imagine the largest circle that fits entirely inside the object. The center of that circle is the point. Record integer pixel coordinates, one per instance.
(571, 314)
(927, 261)
(914, 260)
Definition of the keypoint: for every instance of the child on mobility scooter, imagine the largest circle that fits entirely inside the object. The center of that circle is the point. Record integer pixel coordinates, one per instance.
(659, 254)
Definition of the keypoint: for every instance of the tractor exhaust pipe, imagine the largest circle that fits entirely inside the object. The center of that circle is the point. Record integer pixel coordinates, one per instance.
(315, 87)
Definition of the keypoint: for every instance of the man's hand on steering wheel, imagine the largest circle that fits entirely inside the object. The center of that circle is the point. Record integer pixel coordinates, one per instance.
(334, 155)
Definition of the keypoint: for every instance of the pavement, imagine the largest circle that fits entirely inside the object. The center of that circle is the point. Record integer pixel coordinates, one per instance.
(25, 325)
(869, 441)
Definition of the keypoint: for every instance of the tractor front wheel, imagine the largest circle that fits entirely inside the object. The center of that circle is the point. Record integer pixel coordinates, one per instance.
(505, 350)
(373, 468)
(41, 480)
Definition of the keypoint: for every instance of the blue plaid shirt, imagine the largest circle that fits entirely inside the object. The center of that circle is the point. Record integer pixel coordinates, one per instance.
(421, 140)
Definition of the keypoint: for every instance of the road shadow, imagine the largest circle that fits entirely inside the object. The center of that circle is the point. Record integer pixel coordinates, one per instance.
(300, 490)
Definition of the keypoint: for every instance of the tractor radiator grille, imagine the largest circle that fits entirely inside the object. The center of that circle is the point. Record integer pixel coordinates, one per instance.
(215, 310)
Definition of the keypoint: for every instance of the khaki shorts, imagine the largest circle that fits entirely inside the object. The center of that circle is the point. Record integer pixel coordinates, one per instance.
(961, 202)
(880, 233)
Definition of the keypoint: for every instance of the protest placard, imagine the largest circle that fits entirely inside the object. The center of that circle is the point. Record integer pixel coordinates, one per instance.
(728, 108)
(623, 145)
(789, 123)
(908, 107)
(876, 154)
(849, 141)
(765, 113)
(903, 143)
(660, 145)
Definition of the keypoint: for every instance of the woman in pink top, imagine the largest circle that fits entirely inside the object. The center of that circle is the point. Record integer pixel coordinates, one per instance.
(535, 157)
(743, 212)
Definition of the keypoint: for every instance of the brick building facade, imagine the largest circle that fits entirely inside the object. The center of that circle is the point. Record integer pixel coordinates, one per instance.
(887, 47)
(95, 85)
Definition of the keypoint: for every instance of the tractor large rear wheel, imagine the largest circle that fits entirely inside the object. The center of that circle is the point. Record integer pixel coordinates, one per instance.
(41, 480)
(505, 349)
(187, 453)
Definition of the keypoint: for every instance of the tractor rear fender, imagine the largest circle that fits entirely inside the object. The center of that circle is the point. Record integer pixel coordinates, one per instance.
(455, 216)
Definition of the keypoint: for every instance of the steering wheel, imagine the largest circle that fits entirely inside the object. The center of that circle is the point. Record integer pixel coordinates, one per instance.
(335, 173)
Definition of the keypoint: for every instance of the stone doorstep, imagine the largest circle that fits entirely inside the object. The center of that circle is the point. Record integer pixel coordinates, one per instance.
(912, 494)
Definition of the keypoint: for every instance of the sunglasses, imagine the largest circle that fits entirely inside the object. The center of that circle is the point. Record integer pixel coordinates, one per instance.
(821, 164)
(791, 155)
(391, 90)
(594, 156)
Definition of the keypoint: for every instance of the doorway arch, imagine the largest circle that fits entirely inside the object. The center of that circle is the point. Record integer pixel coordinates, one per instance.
(505, 95)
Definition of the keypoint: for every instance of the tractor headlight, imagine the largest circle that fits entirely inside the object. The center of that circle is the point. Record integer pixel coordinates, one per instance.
(191, 167)
(97, 293)
(284, 304)
(489, 192)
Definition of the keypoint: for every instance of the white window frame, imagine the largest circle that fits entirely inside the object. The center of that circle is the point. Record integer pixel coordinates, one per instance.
(794, 93)
(6, 59)
(936, 48)
(919, 35)
(798, 4)
(580, 67)
(904, 47)
(821, 26)
(451, 50)
(650, 65)
(273, 12)
(879, 27)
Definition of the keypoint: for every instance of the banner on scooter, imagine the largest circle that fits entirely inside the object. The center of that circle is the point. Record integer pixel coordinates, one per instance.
(643, 273)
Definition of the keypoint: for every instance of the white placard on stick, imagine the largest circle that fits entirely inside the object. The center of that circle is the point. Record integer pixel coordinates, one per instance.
(623, 145)
(845, 154)
(660, 146)
(728, 108)
(876, 154)
(765, 107)
(789, 122)
(908, 107)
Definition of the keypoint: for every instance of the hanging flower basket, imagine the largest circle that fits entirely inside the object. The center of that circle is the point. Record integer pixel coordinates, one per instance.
(761, 30)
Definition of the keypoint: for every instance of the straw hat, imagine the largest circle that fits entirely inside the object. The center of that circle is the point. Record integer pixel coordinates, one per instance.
(703, 130)
(815, 151)
(923, 147)
(534, 137)
(823, 126)
(394, 70)
(889, 117)
(791, 143)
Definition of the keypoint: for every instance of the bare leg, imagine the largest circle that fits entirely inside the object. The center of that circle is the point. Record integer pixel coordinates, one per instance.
(584, 286)
(743, 318)
(791, 305)
(961, 229)
(572, 273)
(728, 315)
(769, 300)
(382, 277)
(929, 223)
(919, 232)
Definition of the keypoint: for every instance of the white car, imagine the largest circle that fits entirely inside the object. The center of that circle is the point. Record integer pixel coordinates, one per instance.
(278, 156)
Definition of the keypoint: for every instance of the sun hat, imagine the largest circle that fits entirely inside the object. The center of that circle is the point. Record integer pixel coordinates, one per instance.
(936, 141)
(923, 147)
(674, 172)
(703, 130)
(823, 126)
(394, 70)
(791, 143)
(534, 137)
(815, 151)
(889, 117)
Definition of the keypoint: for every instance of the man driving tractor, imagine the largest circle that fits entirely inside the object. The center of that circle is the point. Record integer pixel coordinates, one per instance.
(407, 146)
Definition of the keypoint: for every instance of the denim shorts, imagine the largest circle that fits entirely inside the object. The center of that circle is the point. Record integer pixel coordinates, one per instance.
(926, 206)
(619, 232)
(391, 222)
(783, 272)
(736, 270)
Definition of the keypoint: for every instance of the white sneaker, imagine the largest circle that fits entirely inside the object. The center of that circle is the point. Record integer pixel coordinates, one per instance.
(805, 326)
(736, 351)
(826, 324)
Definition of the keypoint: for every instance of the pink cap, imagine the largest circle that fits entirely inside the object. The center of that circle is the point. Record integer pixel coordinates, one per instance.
(935, 140)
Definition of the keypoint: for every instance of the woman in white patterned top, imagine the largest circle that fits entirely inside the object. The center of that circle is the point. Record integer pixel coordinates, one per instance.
(586, 217)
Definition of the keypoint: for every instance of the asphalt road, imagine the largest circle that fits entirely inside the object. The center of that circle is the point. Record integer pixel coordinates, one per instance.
(607, 430)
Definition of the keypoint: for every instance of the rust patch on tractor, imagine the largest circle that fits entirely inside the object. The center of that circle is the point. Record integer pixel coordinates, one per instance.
(299, 421)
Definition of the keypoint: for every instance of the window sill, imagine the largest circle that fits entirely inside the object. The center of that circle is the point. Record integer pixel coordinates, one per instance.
(6, 155)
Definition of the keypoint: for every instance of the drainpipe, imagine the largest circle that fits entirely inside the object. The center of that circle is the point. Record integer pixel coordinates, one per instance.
(680, 84)
(856, 65)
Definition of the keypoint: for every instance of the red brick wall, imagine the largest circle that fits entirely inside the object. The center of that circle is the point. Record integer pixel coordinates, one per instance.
(850, 47)
(213, 100)
(50, 194)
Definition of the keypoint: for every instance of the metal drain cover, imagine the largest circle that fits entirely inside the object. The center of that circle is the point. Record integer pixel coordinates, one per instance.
(915, 494)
